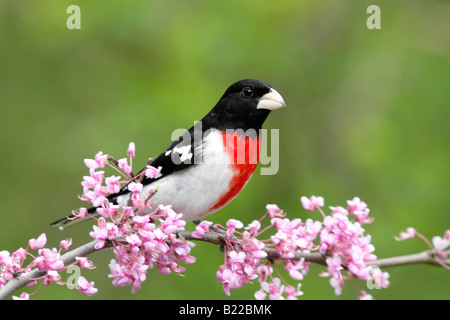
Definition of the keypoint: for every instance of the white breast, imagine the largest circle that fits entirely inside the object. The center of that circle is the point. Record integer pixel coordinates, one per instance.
(195, 190)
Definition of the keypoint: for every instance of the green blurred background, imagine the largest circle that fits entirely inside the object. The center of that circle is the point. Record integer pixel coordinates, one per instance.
(367, 115)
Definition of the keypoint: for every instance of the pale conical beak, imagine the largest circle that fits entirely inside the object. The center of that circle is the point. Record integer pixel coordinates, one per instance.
(271, 101)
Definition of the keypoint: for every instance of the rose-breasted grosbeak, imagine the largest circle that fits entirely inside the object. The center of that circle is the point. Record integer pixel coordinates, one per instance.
(210, 163)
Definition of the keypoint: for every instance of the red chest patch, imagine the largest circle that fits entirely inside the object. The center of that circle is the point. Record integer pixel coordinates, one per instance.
(243, 154)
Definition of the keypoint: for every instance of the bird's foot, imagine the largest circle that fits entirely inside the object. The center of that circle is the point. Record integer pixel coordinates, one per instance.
(233, 240)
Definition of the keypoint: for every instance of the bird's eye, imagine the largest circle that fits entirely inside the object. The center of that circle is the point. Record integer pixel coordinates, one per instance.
(247, 92)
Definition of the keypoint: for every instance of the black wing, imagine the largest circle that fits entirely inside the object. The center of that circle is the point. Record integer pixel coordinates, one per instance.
(179, 155)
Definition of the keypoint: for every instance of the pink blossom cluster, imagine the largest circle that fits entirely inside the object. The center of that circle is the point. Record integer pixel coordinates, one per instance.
(16, 264)
(141, 240)
(96, 187)
(141, 243)
(342, 239)
(339, 237)
(241, 262)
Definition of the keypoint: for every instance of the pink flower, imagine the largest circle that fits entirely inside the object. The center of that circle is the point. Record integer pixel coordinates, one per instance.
(232, 224)
(201, 229)
(123, 164)
(23, 296)
(93, 180)
(292, 293)
(8, 269)
(81, 213)
(296, 269)
(19, 255)
(97, 195)
(90, 163)
(359, 209)
(409, 234)
(273, 211)
(86, 287)
(48, 260)
(229, 279)
(312, 203)
(38, 243)
(152, 172)
(253, 246)
(172, 221)
(99, 161)
(359, 269)
(84, 262)
(264, 271)
(98, 176)
(182, 249)
(121, 274)
(236, 257)
(285, 248)
(442, 244)
(133, 240)
(334, 266)
(356, 205)
(274, 288)
(136, 199)
(135, 187)
(363, 295)
(160, 241)
(101, 235)
(104, 231)
(338, 285)
(339, 210)
(138, 273)
(108, 210)
(65, 244)
(131, 151)
(112, 184)
(52, 276)
(260, 294)
(98, 200)
(5, 257)
(88, 182)
(253, 227)
(379, 278)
